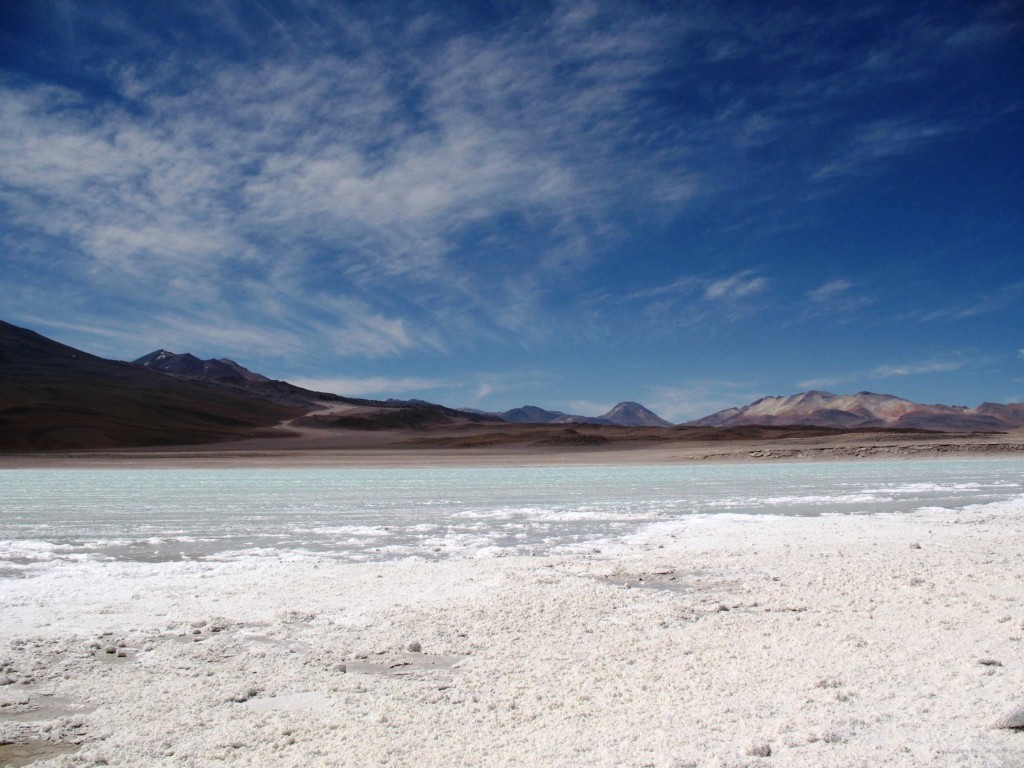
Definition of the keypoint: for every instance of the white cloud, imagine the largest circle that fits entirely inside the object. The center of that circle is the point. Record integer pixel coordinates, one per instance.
(829, 290)
(316, 158)
(822, 383)
(836, 300)
(1020, 353)
(496, 387)
(355, 329)
(980, 33)
(380, 158)
(886, 371)
(871, 144)
(36, 322)
(681, 286)
(883, 372)
(693, 300)
(695, 399)
(257, 326)
(586, 408)
(996, 300)
(467, 389)
(381, 386)
(736, 287)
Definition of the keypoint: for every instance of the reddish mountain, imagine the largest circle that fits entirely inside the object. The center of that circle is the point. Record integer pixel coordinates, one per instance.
(866, 409)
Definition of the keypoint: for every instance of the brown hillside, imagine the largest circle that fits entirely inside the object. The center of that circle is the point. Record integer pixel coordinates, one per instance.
(55, 397)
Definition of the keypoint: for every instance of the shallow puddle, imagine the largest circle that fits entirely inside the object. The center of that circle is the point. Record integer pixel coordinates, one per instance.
(28, 752)
(403, 664)
(670, 581)
(685, 582)
(42, 708)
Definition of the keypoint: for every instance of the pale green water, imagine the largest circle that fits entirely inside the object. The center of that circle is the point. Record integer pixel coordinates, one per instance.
(373, 514)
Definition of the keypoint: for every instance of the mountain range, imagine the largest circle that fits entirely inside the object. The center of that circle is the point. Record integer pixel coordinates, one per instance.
(189, 366)
(625, 414)
(320, 408)
(867, 410)
(227, 372)
(55, 397)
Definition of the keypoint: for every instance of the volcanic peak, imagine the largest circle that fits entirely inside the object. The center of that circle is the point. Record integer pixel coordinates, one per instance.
(189, 366)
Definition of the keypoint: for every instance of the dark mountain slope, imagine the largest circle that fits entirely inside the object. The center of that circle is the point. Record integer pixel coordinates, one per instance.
(188, 365)
(626, 414)
(371, 415)
(532, 414)
(55, 397)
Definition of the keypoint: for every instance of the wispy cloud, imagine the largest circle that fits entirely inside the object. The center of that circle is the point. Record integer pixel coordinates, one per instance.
(492, 390)
(732, 287)
(736, 287)
(371, 385)
(47, 325)
(697, 299)
(696, 398)
(841, 299)
(373, 180)
(978, 305)
(830, 290)
(871, 144)
(684, 285)
(994, 23)
(366, 170)
(885, 372)
(822, 383)
(587, 407)
(488, 390)
(249, 329)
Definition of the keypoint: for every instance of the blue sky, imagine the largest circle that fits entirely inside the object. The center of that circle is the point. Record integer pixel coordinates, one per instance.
(569, 204)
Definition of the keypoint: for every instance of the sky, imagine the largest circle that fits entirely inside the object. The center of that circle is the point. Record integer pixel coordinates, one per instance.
(689, 204)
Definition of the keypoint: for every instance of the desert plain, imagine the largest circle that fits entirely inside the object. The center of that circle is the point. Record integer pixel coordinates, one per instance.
(289, 444)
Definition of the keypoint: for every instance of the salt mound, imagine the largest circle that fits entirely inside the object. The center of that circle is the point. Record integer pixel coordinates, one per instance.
(1012, 719)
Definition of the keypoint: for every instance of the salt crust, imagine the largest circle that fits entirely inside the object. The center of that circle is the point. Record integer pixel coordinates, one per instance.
(828, 641)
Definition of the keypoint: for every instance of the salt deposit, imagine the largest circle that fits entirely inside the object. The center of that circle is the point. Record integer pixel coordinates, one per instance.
(1014, 718)
(710, 640)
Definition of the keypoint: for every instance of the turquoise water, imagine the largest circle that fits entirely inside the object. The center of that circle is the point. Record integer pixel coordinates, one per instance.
(378, 514)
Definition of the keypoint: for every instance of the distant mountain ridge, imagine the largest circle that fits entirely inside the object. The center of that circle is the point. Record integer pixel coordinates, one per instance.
(55, 397)
(866, 409)
(532, 414)
(227, 374)
(625, 414)
(630, 414)
(189, 365)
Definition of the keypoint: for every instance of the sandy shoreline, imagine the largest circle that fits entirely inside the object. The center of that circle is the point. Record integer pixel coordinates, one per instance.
(884, 640)
(400, 449)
